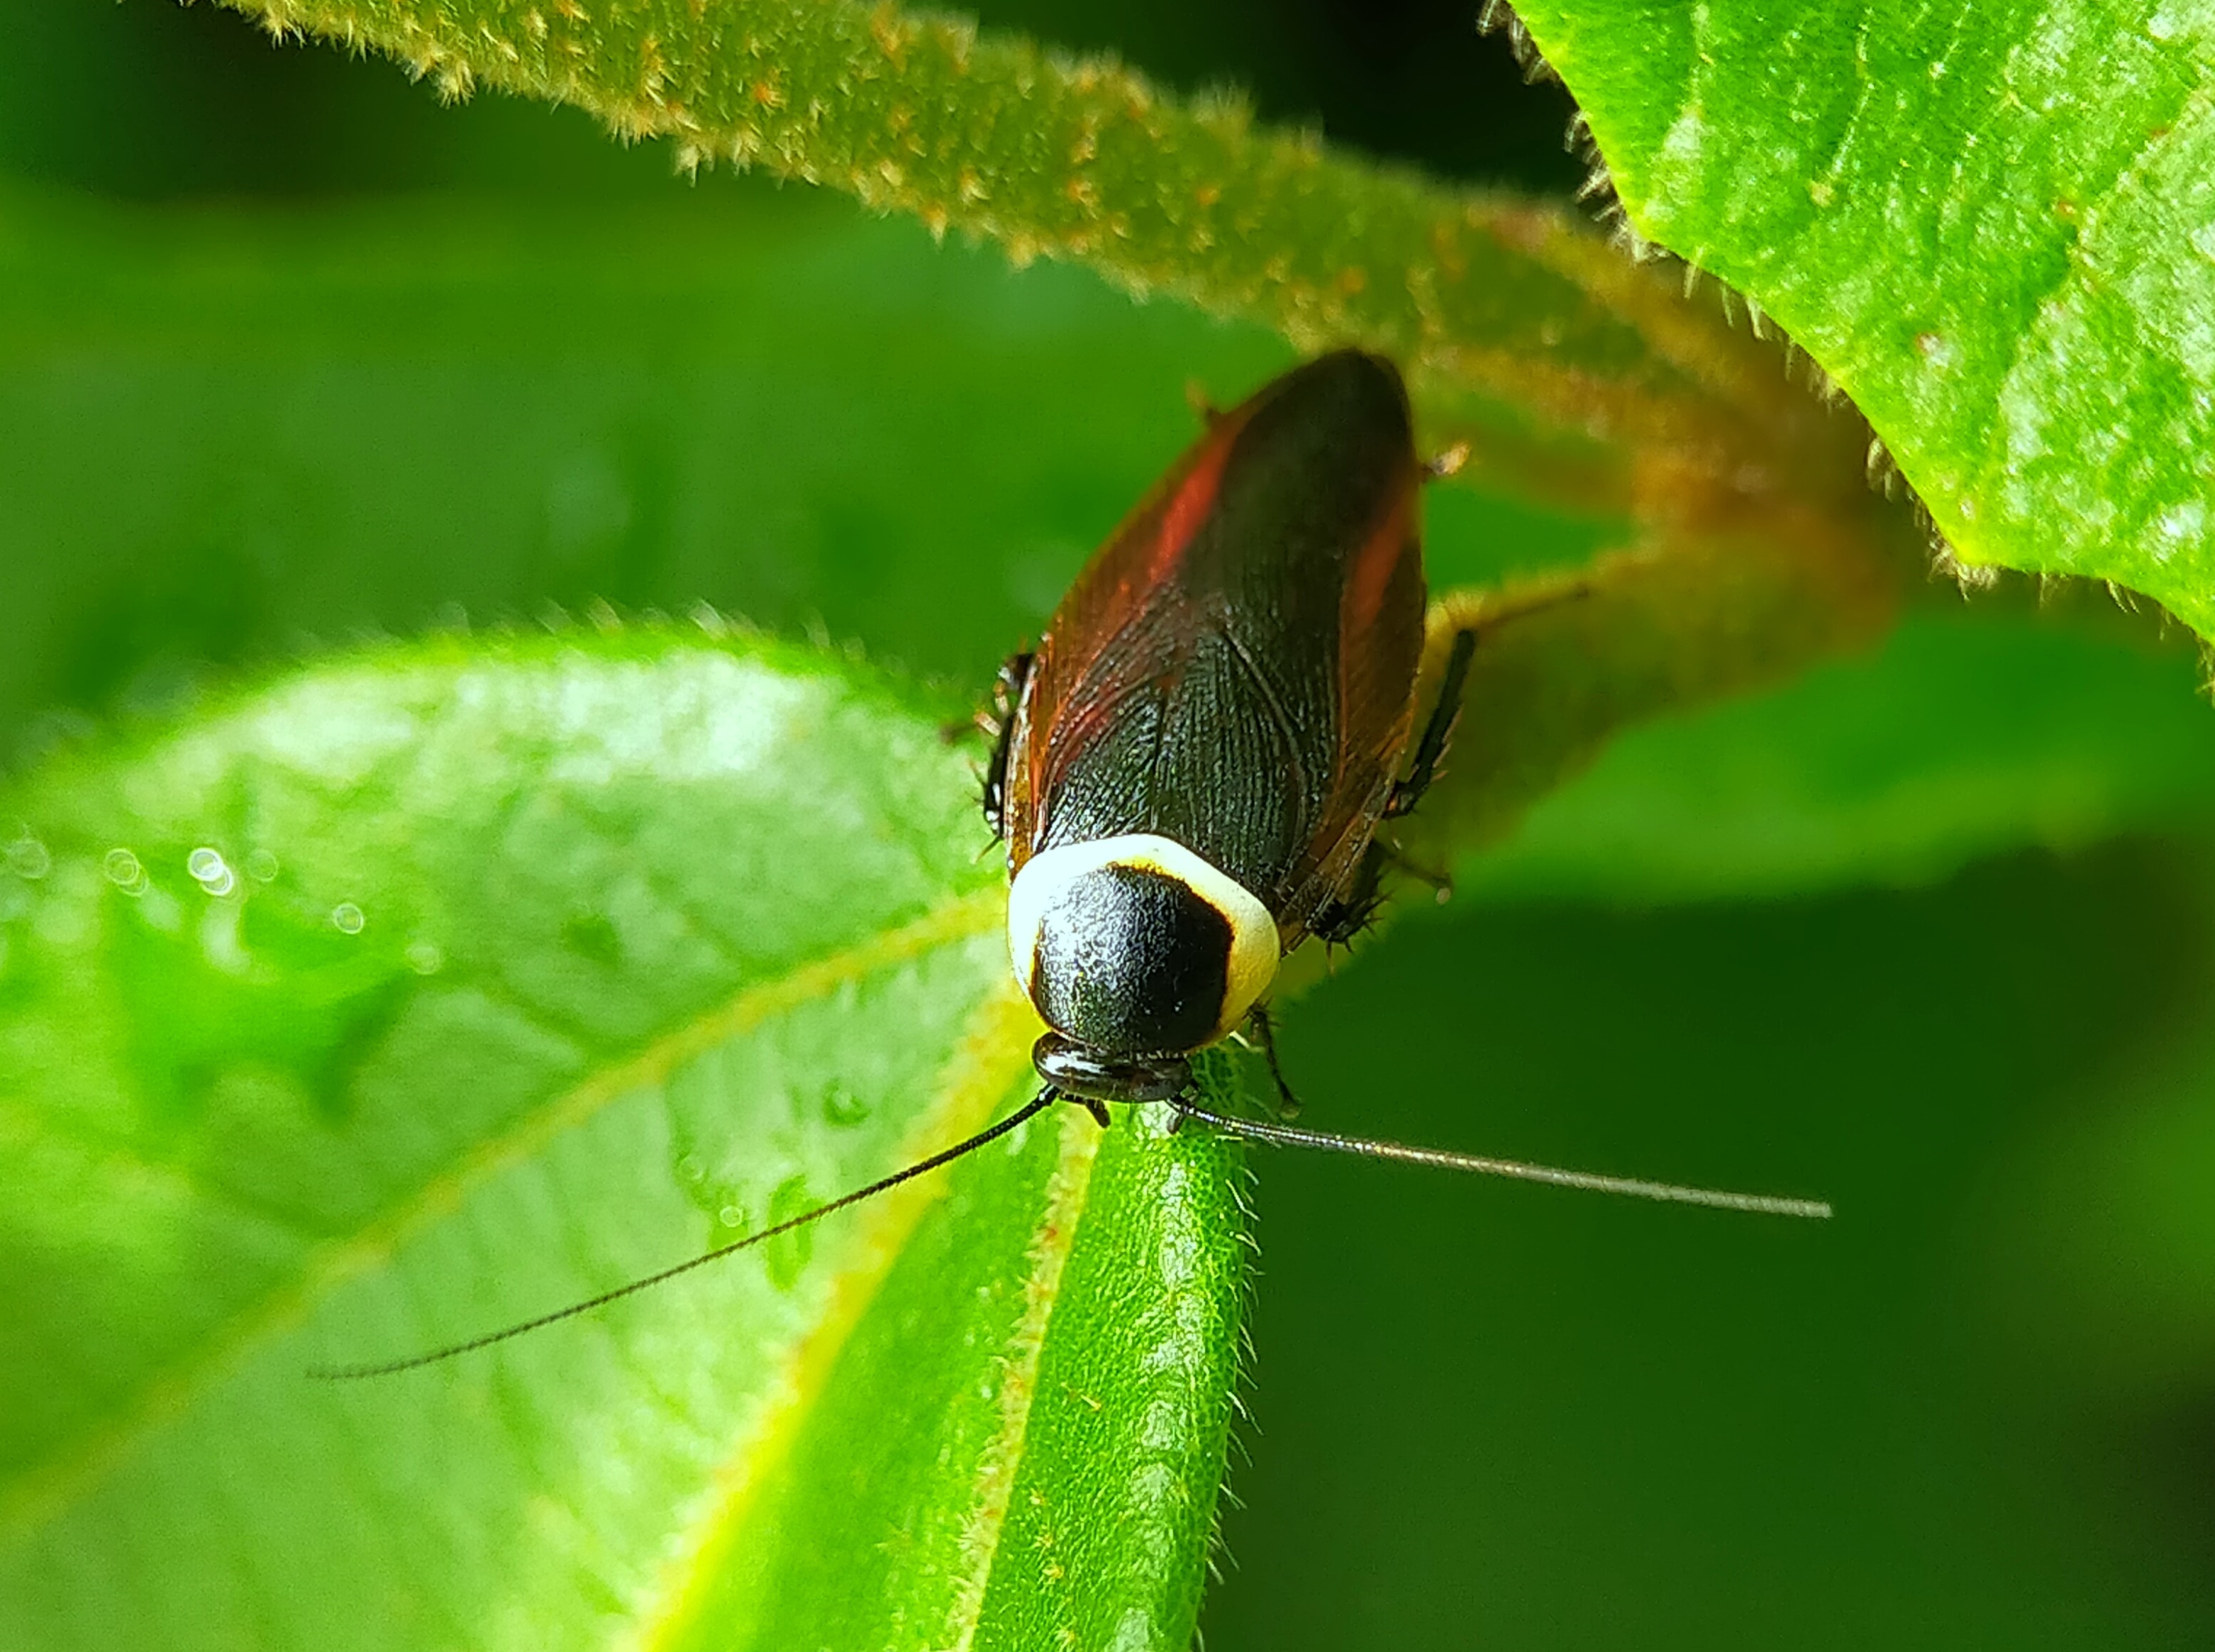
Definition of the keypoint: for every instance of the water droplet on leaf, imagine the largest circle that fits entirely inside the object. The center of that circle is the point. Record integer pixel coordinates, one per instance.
(788, 1254)
(26, 857)
(211, 871)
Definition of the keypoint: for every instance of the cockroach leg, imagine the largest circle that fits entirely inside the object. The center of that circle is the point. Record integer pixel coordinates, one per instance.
(1347, 915)
(1288, 1105)
(1408, 792)
(1000, 723)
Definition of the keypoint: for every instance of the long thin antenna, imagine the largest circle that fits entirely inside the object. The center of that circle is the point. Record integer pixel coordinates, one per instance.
(1285, 1135)
(1028, 1110)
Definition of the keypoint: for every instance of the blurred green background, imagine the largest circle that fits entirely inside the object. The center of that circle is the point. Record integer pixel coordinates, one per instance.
(289, 354)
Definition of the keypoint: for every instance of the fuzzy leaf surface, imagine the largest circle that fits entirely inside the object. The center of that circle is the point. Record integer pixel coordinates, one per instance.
(1993, 225)
(435, 987)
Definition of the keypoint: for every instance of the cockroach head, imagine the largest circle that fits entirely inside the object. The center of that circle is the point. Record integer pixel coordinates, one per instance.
(1135, 946)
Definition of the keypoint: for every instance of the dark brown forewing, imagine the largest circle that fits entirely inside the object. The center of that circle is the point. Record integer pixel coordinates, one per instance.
(1234, 668)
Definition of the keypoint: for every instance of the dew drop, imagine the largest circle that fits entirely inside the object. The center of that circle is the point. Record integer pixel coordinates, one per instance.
(124, 872)
(211, 871)
(261, 866)
(347, 917)
(2178, 526)
(26, 857)
(731, 1216)
(691, 1168)
(424, 957)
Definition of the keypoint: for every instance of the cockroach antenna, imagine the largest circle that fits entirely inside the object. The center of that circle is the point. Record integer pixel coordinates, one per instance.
(1285, 1135)
(991, 1133)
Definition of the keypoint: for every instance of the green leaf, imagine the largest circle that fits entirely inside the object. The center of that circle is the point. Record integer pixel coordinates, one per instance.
(1994, 228)
(421, 992)
(1971, 733)
(1580, 378)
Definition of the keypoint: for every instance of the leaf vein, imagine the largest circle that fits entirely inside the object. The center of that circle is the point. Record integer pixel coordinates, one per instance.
(2031, 346)
(1056, 1235)
(972, 1080)
(42, 1491)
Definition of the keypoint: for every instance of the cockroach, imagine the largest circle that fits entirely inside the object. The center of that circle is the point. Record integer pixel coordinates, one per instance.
(1191, 771)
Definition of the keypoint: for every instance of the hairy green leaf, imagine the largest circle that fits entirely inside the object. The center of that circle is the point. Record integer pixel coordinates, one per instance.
(1994, 227)
(1564, 358)
(421, 992)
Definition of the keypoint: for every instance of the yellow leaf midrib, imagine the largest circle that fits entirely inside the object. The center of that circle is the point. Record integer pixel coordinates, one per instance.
(974, 1078)
(1053, 1240)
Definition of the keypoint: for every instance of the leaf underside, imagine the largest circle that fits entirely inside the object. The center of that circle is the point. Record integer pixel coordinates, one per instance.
(1993, 227)
(418, 993)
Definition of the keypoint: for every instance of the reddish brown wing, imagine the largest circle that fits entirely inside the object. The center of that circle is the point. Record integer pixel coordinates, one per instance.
(1235, 668)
